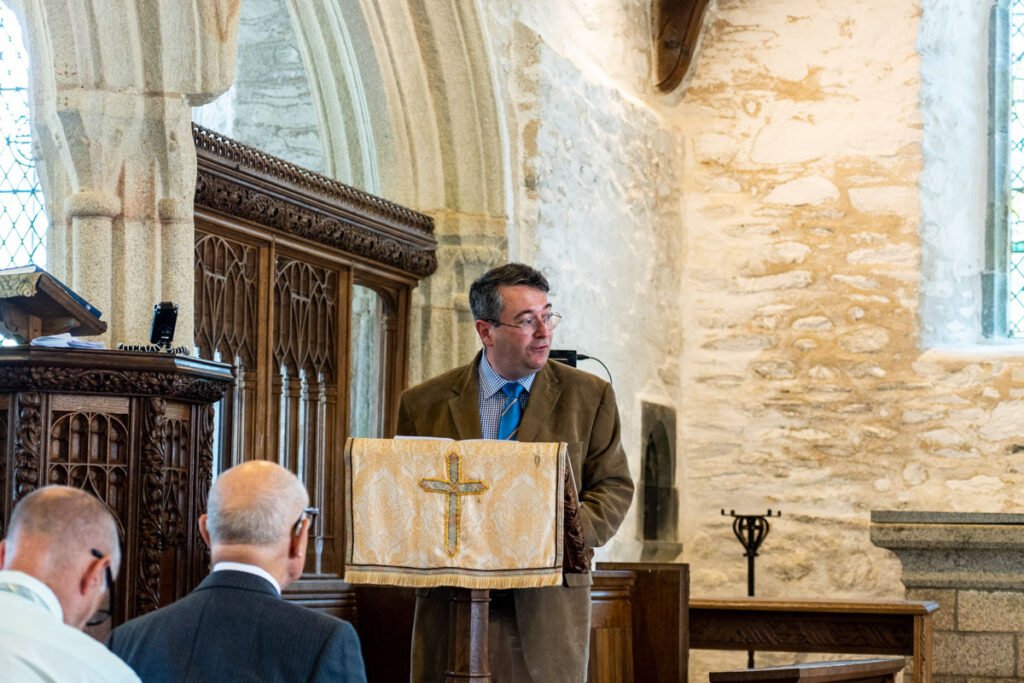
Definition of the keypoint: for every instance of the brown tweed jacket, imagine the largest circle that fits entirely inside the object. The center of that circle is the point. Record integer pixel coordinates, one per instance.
(567, 405)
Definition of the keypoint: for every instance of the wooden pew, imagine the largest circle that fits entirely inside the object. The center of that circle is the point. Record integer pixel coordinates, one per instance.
(878, 627)
(854, 671)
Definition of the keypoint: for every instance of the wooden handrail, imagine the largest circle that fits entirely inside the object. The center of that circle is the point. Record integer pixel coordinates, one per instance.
(911, 607)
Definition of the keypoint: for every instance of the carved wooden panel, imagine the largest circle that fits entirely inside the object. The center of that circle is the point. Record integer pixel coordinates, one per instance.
(278, 252)
(248, 185)
(88, 448)
(204, 418)
(306, 354)
(27, 443)
(148, 592)
(4, 405)
(225, 282)
(175, 518)
(227, 328)
(110, 432)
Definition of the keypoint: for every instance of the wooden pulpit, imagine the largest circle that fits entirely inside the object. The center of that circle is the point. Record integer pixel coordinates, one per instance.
(136, 430)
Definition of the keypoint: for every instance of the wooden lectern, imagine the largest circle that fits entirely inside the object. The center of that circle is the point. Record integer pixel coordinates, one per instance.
(468, 515)
(33, 303)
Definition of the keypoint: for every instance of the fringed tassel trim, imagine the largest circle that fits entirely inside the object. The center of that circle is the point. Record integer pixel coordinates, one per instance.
(553, 578)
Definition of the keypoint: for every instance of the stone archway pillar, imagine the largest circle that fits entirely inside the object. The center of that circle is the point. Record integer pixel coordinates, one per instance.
(112, 86)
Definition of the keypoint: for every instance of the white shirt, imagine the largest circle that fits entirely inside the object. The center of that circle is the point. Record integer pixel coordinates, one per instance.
(248, 569)
(36, 645)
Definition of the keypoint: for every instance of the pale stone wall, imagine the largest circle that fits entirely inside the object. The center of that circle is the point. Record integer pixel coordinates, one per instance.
(270, 105)
(597, 200)
(836, 197)
(802, 202)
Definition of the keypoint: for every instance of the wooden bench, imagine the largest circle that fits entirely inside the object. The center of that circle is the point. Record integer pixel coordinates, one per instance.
(874, 627)
(854, 671)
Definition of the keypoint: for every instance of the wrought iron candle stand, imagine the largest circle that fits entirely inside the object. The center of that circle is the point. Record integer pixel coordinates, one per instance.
(751, 530)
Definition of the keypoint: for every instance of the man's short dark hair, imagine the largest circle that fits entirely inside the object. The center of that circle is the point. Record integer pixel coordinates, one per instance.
(484, 299)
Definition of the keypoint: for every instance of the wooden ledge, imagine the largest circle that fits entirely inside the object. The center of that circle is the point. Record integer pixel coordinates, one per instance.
(901, 607)
(818, 672)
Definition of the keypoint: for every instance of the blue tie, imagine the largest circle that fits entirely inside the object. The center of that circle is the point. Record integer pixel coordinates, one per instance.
(512, 412)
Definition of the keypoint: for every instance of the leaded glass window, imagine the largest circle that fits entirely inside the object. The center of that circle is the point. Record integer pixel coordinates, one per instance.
(23, 221)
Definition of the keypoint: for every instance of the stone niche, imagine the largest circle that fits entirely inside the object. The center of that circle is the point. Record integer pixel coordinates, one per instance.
(972, 564)
(659, 495)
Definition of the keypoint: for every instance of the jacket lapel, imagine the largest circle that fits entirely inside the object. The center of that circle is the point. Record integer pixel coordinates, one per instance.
(543, 396)
(465, 404)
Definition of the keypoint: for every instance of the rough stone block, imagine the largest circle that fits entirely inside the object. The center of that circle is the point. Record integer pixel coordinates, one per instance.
(990, 610)
(975, 654)
(945, 618)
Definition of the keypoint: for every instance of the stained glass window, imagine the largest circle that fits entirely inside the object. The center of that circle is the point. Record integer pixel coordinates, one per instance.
(23, 221)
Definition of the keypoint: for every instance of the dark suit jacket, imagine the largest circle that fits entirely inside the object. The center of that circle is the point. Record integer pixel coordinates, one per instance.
(567, 405)
(234, 627)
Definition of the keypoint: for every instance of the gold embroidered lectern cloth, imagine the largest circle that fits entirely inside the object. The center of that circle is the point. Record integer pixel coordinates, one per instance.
(437, 512)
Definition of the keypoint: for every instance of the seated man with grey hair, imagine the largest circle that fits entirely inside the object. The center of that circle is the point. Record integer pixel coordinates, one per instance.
(59, 560)
(234, 626)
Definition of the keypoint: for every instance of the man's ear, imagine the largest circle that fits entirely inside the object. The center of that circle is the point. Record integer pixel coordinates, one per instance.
(297, 542)
(3, 553)
(202, 530)
(484, 329)
(93, 574)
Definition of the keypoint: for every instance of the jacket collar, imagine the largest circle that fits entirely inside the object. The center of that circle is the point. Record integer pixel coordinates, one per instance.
(230, 578)
(465, 404)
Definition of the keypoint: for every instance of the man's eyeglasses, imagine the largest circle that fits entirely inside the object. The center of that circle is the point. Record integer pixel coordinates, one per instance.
(103, 614)
(308, 512)
(529, 323)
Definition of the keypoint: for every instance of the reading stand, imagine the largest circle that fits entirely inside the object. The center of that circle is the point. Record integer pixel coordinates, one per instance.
(33, 303)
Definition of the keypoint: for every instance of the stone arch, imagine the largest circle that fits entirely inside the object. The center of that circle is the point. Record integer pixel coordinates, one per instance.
(415, 81)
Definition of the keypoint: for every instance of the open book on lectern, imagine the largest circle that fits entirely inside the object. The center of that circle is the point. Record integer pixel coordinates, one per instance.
(430, 512)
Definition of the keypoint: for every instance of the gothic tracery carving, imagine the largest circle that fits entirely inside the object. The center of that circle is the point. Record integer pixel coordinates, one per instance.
(226, 297)
(307, 298)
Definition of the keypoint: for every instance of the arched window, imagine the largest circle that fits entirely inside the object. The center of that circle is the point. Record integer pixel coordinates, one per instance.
(1015, 143)
(23, 221)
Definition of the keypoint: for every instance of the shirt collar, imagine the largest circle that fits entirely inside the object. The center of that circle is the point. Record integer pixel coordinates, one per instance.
(248, 569)
(491, 382)
(43, 596)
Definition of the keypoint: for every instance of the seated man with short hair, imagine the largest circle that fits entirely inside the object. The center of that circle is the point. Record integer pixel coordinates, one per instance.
(59, 559)
(234, 626)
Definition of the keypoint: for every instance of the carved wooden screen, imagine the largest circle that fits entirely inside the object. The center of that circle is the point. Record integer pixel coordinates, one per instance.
(280, 255)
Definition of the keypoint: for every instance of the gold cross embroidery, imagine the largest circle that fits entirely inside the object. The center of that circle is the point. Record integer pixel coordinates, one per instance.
(455, 489)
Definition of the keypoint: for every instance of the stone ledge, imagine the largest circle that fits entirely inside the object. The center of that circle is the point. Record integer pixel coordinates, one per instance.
(926, 517)
(948, 536)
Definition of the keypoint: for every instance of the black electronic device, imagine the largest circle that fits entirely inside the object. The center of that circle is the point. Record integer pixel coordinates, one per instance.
(571, 357)
(567, 356)
(165, 317)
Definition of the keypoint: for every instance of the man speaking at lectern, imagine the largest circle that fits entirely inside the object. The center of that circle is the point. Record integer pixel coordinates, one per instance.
(511, 391)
